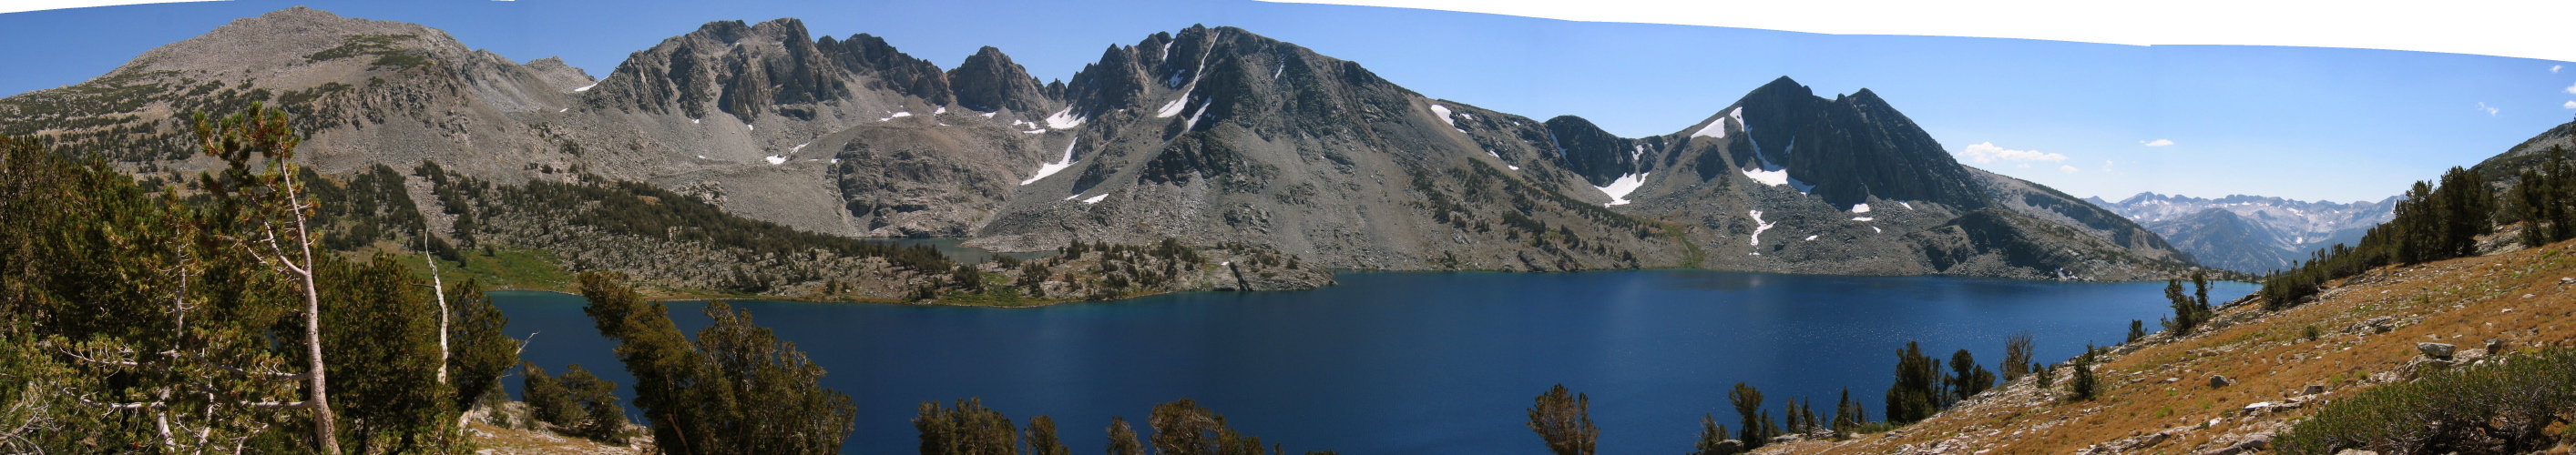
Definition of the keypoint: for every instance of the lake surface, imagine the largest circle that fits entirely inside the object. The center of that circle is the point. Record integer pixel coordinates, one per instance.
(1405, 363)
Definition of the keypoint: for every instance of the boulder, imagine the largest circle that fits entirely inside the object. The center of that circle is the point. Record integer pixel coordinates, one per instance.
(2495, 346)
(2437, 350)
(2313, 389)
(2356, 452)
(2217, 381)
(1728, 446)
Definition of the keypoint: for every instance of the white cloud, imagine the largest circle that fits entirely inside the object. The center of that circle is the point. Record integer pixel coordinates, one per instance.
(2106, 165)
(2068, 169)
(2157, 143)
(2569, 105)
(2491, 110)
(1987, 152)
(2571, 89)
(2554, 68)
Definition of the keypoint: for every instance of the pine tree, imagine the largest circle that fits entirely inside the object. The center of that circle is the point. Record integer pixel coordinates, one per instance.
(1968, 378)
(547, 400)
(1042, 439)
(1712, 438)
(2082, 386)
(1848, 414)
(1748, 403)
(481, 353)
(2017, 356)
(1122, 439)
(601, 417)
(736, 390)
(1563, 420)
(1918, 391)
(968, 428)
(2137, 331)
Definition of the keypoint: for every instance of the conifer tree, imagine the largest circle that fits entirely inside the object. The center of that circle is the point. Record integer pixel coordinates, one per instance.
(1712, 438)
(2017, 356)
(1042, 439)
(601, 417)
(1122, 439)
(1848, 414)
(1918, 391)
(481, 354)
(1968, 378)
(2081, 387)
(2137, 331)
(1748, 405)
(547, 400)
(736, 390)
(1564, 421)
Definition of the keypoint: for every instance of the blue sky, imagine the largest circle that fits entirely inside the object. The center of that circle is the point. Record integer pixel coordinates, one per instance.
(2304, 123)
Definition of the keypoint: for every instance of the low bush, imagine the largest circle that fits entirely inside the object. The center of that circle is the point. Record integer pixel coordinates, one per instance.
(2504, 406)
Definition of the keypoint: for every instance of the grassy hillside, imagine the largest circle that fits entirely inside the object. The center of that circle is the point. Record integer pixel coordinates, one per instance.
(2360, 334)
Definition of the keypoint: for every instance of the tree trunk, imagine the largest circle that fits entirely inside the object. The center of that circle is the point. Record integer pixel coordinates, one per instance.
(326, 429)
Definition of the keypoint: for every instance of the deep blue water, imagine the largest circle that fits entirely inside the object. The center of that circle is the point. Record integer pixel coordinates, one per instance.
(1405, 363)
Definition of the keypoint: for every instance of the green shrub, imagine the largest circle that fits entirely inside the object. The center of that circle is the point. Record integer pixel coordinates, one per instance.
(2501, 407)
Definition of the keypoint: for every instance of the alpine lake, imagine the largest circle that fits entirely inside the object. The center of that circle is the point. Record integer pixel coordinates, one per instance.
(1401, 362)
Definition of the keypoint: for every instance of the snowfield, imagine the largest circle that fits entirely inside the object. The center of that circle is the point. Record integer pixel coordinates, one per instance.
(1064, 119)
(1758, 227)
(1047, 169)
(1619, 189)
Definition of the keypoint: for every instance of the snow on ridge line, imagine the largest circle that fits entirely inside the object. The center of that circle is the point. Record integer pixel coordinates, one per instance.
(1717, 128)
(1860, 208)
(586, 88)
(1863, 218)
(1047, 169)
(1619, 189)
(1443, 111)
(1095, 199)
(776, 159)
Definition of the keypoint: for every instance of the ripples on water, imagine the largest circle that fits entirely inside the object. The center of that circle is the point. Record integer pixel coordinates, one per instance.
(1431, 363)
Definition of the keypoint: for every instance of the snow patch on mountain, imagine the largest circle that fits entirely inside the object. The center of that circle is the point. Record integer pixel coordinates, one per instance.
(1619, 189)
(1047, 169)
(1717, 128)
(1758, 227)
(1064, 119)
(1193, 122)
(1445, 113)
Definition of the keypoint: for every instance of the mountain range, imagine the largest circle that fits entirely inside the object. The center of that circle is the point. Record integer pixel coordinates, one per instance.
(2252, 234)
(1206, 135)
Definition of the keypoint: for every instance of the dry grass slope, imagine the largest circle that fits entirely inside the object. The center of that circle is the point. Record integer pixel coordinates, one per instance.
(2159, 397)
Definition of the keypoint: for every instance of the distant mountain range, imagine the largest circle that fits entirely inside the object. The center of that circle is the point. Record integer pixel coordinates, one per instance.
(2251, 233)
(1208, 135)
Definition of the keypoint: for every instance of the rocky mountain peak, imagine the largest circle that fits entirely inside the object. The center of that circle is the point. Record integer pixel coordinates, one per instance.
(1851, 148)
(988, 81)
(1595, 154)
